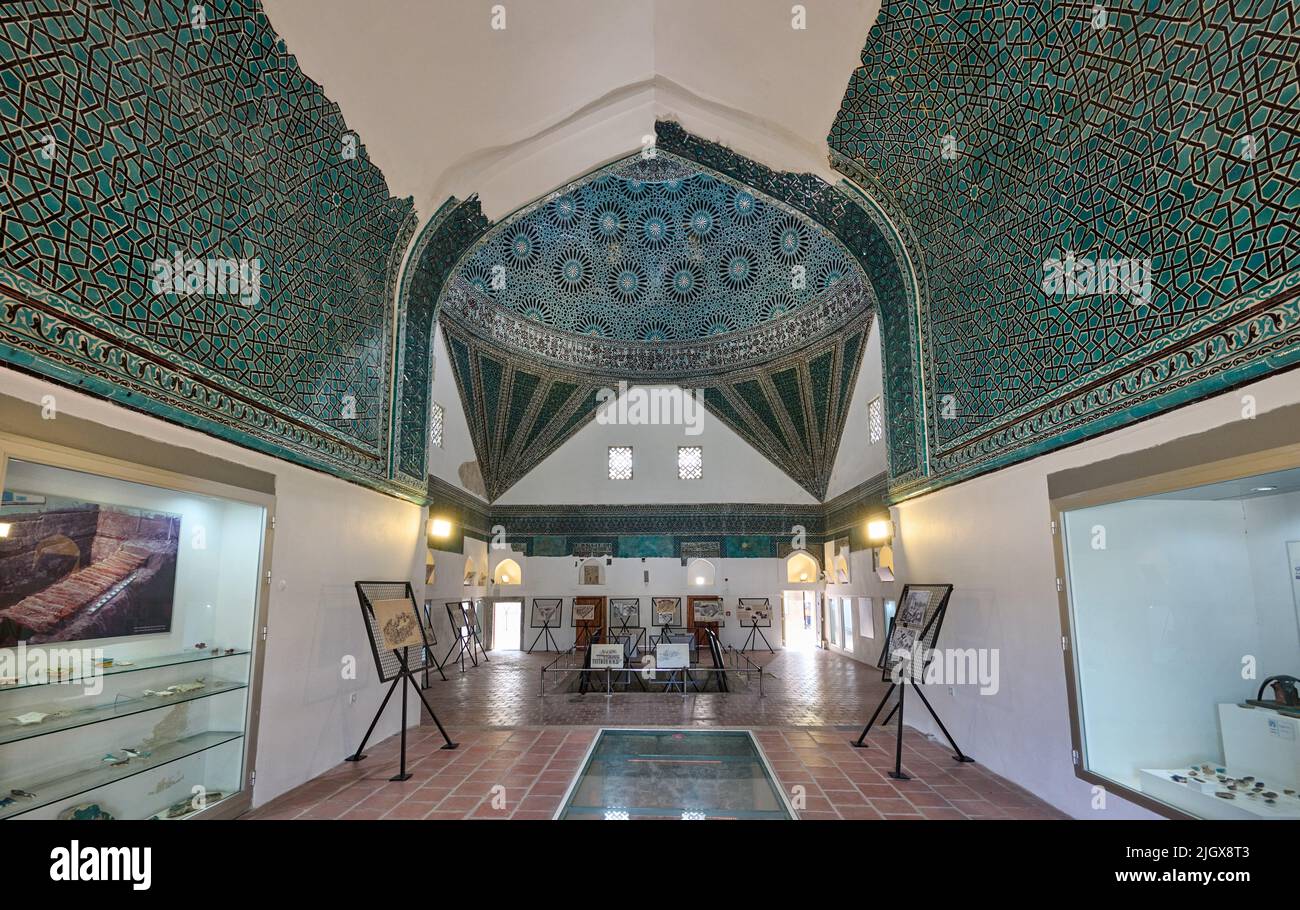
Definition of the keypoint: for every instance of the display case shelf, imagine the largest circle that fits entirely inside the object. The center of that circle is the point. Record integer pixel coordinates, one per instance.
(92, 777)
(11, 732)
(147, 663)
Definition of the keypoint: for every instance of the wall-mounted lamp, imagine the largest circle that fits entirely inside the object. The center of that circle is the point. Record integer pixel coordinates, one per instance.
(699, 579)
(4, 529)
(880, 531)
(439, 529)
(880, 534)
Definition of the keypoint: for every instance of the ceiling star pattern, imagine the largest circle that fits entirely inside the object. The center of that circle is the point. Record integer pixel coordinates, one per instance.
(1167, 135)
(130, 135)
(653, 249)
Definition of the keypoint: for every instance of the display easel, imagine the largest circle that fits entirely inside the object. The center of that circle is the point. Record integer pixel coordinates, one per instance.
(552, 644)
(467, 640)
(754, 605)
(631, 650)
(393, 665)
(624, 628)
(586, 632)
(431, 637)
(924, 632)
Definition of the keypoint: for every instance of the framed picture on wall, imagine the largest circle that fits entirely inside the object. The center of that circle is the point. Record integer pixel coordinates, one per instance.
(591, 575)
(666, 611)
(624, 611)
(754, 611)
(546, 612)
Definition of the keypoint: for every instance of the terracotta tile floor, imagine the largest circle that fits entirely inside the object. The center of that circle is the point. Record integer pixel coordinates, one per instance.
(531, 747)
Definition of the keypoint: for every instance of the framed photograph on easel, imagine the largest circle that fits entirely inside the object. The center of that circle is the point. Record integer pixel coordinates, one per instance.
(666, 611)
(624, 612)
(399, 643)
(754, 611)
(546, 612)
(913, 632)
(755, 614)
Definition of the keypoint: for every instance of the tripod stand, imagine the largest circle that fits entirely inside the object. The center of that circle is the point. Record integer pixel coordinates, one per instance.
(405, 675)
(756, 631)
(552, 645)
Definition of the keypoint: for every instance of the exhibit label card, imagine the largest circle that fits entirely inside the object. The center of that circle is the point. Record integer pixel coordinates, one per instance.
(607, 656)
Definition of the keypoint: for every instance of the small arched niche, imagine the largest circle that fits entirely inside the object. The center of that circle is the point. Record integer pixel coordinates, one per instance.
(700, 573)
(801, 568)
(508, 572)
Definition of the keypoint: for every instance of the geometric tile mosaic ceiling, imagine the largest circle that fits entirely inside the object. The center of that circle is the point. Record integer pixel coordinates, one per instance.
(1004, 136)
(653, 250)
(136, 138)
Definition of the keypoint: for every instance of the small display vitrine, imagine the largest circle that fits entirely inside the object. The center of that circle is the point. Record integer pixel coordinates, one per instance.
(131, 612)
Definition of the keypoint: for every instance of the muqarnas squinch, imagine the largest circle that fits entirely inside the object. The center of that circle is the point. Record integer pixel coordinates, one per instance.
(81, 570)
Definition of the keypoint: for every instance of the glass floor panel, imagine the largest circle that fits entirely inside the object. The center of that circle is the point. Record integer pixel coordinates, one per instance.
(675, 774)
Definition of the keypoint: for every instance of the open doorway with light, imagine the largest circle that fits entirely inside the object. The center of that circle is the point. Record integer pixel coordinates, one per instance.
(799, 620)
(507, 625)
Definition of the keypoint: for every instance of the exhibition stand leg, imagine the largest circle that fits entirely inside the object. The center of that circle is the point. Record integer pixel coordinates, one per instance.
(861, 741)
(959, 754)
(460, 655)
(478, 643)
(751, 645)
(550, 639)
(897, 773)
(438, 666)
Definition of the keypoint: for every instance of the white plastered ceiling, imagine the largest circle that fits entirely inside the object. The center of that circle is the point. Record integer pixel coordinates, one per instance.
(447, 105)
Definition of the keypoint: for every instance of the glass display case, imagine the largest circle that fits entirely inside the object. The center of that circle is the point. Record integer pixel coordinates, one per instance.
(130, 616)
(1183, 643)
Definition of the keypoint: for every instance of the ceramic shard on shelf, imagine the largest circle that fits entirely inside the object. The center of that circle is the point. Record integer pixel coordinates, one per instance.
(31, 717)
(86, 812)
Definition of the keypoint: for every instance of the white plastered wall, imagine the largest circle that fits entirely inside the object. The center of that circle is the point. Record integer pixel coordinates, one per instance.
(858, 459)
(558, 576)
(578, 471)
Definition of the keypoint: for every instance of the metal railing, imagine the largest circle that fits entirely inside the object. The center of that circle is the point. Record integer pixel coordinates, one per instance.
(682, 680)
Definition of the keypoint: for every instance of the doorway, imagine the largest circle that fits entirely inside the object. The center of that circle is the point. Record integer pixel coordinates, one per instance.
(799, 620)
(507, 625)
